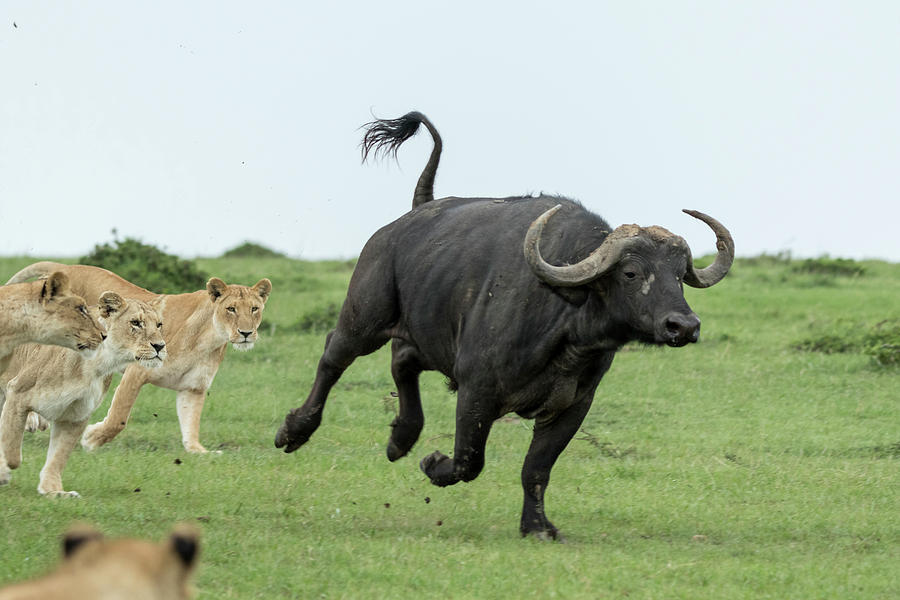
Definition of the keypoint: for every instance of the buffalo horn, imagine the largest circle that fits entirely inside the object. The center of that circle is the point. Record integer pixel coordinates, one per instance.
(714, 273)
(592, 267)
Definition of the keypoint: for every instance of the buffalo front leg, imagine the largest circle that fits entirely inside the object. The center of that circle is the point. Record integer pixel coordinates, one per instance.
(551, 436)
(407, 426)
(119, 410)
(63, 439)
(473, 424)
(189, 405)
(340, 352)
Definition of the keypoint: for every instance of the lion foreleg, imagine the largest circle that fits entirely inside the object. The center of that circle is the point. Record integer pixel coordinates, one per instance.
(189, 404)
(12, 431)
(119, 410)
(63, 439)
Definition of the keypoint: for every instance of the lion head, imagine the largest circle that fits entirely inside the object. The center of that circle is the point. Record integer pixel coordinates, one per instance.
(65, 319)
(238, 310)
(94, 566)
(133, 328)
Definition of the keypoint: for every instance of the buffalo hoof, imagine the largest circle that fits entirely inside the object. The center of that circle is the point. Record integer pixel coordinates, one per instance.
(439, 468)
(403, 437)
(296, 430)
(545, 532)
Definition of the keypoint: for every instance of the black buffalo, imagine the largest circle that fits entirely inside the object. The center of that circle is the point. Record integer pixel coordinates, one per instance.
(521, 302)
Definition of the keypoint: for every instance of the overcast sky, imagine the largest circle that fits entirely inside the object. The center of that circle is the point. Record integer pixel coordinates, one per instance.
(195, 126)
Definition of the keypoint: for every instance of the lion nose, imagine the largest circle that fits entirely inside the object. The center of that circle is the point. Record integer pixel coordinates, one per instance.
(158, 347)
(246, 334)
(102, 336)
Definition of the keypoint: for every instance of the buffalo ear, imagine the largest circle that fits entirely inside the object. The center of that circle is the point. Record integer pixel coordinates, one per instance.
(55, 285)
(110, 303)
(77, 536)
(216, 287)
(185, 542)
(263, 287)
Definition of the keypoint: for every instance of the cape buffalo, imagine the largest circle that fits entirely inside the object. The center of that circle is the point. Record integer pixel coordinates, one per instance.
(530, 332)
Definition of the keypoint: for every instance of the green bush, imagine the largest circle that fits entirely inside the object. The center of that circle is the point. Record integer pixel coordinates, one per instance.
(321, 319)
(881, 341)
(147, 266)
(832, 267)
(252, 250)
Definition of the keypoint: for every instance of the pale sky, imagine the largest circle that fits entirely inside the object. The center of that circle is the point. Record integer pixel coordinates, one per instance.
(195, 126)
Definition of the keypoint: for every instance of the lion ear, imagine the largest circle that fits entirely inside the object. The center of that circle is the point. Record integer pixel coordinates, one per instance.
(55, 285)
(185, 543)
(77, 536)
(263, 287)
(216, 287)
(110, 303)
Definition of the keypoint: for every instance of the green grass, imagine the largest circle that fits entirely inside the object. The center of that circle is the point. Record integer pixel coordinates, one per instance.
(739, 467)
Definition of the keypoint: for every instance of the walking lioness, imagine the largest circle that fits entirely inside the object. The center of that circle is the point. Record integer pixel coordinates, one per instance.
(45, 312)
(199, 326)
(95, 568)
(65, 388)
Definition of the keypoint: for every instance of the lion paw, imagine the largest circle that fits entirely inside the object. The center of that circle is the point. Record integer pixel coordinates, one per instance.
(94, 436)
(60, 494)
(195, 448)
(35, 422)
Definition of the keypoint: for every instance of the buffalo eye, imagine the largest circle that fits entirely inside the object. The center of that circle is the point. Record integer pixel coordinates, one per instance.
(231, 309)
(630, 274)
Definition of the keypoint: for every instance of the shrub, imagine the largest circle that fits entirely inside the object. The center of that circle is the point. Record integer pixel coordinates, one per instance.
(252, 250)
(321, 319)
(832, 267)
(147, 266)
(881, 341)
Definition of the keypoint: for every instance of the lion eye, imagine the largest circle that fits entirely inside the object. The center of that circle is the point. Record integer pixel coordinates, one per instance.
(230, 309)
(136, 323)
(83, 310)
(159, 325)
(254, 309)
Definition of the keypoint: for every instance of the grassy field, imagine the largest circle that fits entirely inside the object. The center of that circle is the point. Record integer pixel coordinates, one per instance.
(739, 467)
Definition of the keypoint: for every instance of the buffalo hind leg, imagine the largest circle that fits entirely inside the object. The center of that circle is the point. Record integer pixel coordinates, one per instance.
(473, 424)
(406, 427)
(551, 436)
(340, 352)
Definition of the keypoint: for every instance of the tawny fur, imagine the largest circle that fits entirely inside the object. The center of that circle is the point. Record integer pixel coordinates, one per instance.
(65, 388)
(95, 568)
(199, 326)
(45, 312)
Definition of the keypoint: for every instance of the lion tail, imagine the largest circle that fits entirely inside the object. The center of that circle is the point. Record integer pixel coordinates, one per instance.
(38, 270)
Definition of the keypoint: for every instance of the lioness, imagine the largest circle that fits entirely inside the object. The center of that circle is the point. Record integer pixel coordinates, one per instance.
(45, 312)
(199, 326)
(65, 388)
(95, 568)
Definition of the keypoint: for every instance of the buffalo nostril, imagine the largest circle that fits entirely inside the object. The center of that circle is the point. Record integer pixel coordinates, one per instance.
(683, 326)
